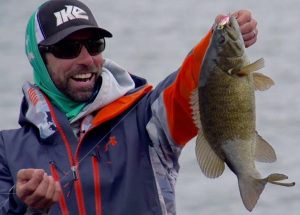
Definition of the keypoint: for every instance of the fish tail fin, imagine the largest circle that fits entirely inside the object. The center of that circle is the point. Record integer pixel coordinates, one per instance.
(274, 178)
(251, 188)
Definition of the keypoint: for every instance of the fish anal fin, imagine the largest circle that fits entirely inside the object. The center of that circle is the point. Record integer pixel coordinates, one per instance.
(252, 67)
(250, 190)
(264, 152)
(262, 82)
(211, 165)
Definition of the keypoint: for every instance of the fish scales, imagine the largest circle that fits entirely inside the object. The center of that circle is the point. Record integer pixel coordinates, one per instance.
(227, 106)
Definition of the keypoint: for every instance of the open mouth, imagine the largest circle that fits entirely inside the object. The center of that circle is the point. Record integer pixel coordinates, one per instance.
(83, 77)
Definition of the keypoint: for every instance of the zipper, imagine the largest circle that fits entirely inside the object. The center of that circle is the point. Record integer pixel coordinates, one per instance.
(73, 162)
(62, 200)
(97, 185)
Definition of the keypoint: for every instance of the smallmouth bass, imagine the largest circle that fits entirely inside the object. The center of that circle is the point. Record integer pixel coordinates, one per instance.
(224, 112)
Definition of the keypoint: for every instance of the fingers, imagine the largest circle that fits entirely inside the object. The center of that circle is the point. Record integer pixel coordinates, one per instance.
(36, 189)
(53, 193)
(242, 16)
(250, 38)
(26, 174)
(47, 199)
(248, 26)
(39, 197)
(27, 181)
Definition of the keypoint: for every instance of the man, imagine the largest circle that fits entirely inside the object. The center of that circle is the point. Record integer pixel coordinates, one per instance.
(95, 139)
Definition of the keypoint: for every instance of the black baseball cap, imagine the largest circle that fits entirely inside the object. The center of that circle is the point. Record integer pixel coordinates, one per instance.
(56, 19)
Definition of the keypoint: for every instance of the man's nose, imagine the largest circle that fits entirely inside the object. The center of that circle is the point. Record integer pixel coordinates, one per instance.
(84, 57)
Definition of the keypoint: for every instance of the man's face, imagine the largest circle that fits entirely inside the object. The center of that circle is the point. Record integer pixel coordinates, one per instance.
(76, 77)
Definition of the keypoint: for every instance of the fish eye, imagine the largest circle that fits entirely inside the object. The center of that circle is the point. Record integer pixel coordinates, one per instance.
(220, 27)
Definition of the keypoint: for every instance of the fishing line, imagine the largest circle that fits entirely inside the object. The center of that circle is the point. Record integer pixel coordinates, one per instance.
(109, 132)
(8, 193)
(88, 153)
(1, 205)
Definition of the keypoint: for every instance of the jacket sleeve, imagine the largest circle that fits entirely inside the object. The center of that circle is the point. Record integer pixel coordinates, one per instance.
(9, 202)
(169, 121)
(177, 96)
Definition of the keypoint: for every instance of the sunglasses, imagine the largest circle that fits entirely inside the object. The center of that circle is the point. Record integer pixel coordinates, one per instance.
(68, 49)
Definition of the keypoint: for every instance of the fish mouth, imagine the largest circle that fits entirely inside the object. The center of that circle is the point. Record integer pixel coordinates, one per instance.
(233, 37)
(230, 45)
(233, 29)
(229, 25)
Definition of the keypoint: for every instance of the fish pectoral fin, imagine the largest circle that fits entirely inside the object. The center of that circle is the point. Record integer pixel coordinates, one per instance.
(252, 67)
(210, 163)
(262, 82)
(274, 178)
(264, 152)
(194, 102)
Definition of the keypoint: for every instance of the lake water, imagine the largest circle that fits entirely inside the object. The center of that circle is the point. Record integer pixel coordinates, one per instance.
(151, 38)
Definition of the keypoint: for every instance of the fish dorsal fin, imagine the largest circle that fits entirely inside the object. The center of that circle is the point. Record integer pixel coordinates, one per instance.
(262, 82)
(194, 102)
(252, 67)
(264, 151)
(210, 163)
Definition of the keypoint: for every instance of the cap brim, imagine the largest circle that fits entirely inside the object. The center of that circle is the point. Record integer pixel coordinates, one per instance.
(63, 34)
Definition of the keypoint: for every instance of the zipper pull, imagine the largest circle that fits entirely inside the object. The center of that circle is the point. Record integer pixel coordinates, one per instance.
(74, 172)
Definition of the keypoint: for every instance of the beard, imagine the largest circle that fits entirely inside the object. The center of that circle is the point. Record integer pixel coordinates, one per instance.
(79, 84)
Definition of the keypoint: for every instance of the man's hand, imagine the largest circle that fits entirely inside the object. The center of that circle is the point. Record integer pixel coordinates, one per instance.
(247, 24)
(36, 189)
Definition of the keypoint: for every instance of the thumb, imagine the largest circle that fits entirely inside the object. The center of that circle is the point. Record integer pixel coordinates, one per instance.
(24, 175)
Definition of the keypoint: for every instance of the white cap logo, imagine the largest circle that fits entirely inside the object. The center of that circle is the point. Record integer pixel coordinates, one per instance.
(71, 12)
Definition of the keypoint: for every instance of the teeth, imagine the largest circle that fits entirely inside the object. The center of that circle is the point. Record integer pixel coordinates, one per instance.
(83, 76)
